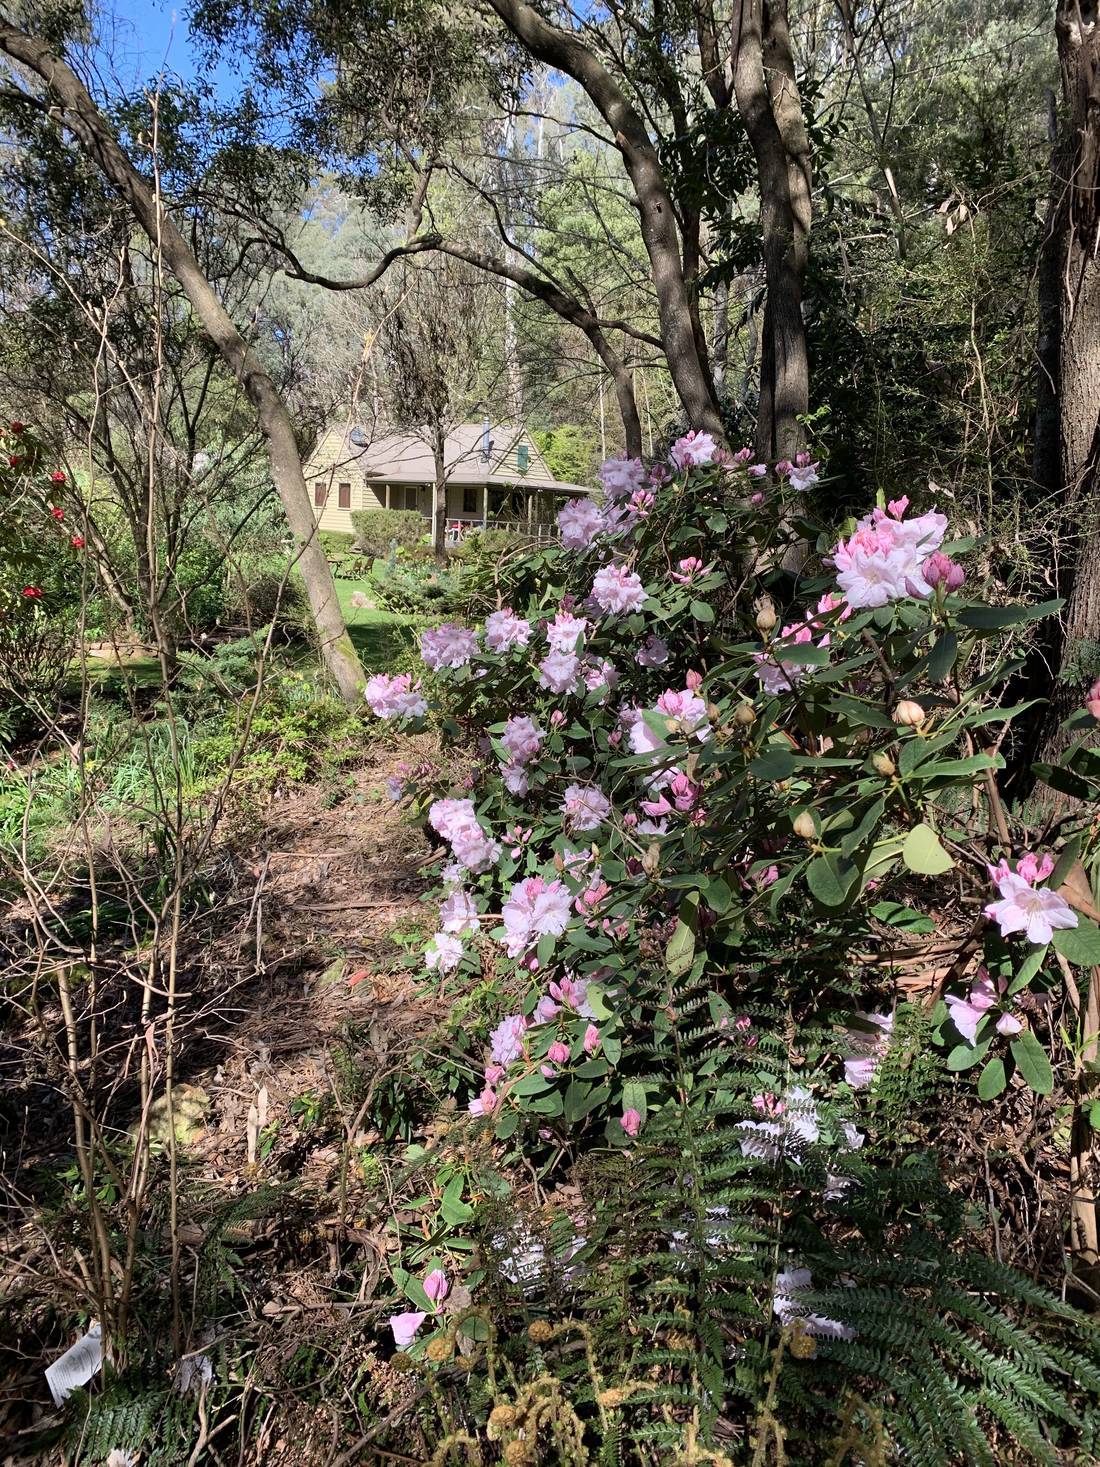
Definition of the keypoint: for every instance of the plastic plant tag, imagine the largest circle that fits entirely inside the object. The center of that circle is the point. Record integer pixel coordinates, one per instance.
(77, 1366)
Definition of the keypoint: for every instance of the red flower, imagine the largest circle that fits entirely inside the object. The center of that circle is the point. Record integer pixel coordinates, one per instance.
(57, 512)
(18, 427)
(77, 542)
(58, 476)
(13, 460)
(31, 592)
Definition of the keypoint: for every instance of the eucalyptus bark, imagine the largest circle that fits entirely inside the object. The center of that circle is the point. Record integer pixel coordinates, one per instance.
(563, 50)
(84, 120)
(768, 101)
(1071, 346)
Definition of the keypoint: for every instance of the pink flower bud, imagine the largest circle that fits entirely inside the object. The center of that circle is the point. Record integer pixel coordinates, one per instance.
(756, 499)
(742, 456)
(631, 1122)
(493, 1073)
(436, 1285)
(557, 718)
(694, 681)
(558, 1053)
(897, 507)
(1092, 699)
(591, 1039)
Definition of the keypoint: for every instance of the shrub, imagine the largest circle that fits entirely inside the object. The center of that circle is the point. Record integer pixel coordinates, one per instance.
(336, 543)
(695, 837)
(377, 529)
(262, 591)
(415, 589)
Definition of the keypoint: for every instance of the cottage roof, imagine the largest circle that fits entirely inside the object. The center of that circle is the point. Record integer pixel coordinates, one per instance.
(406, 458)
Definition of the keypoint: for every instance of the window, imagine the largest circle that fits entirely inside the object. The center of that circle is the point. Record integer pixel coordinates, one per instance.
(319, 493)
(344, 500)
(523, 458)
(469, 500)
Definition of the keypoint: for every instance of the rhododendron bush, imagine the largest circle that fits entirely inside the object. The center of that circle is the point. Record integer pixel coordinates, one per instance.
(712, 807)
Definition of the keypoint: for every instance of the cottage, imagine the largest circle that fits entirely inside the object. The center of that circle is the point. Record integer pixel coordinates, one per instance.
(495, 477)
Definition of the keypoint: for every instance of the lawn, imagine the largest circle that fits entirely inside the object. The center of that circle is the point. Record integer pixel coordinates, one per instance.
(377, 635)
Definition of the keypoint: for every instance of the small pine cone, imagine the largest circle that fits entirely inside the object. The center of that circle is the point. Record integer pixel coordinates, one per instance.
(539, 1331)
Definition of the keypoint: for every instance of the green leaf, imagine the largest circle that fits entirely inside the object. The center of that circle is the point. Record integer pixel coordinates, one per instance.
(1032, 1062)
(923, 853)
(997, 618)
(904, 917)
(634, 1097)
(597, 1000)
(507, 1124)
(966, 1056)
(701, 611)
(451, 1206)
(575, 1097)
(773, 764)
(830, 878)
(992, 1079)
(1064, 781)
(680, 951)
(942, 657)
(1028, 969)
(1080, 944)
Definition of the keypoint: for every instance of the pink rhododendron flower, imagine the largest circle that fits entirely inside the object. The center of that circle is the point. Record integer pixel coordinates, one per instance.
(776, 673)
(579, 522)
(504, 629)
(621, 476)
(829, 603)
(445, 816)
(535, 908)
(641, 502)
(881, 560)
(515, 779)
(573, 993)
(405, 1326)
(757, 471)
(1036, 911)
(591, 1039)
(1031, 867)
(686, 707)
(692, 450)
(941, 570)
(897, 507)
(473, 849)
(448, 645)
(1092, 699)
(494, 1073)
(766, 877)
(558, 1053)
(565, 631)
(867, 1048)
(485, 1103)
(802, 475)
(522, 737)
(458, 912)
(599, 673)
(689, 569)
(967, 1013)
(558, 672)
(507, 1039)
(589, 901)
(443, 953)
(617, 590)
(436, 1285)
(395, 697)
(654, 653)
(631, 1122)
(585, 807)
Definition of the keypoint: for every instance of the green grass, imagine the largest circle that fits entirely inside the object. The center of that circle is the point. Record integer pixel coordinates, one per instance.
(377, 635)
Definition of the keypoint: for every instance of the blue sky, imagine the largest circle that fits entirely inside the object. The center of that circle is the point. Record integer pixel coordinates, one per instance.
(142, 36)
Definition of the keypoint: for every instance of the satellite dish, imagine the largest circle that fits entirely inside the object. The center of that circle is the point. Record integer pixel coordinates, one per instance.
(358, 438)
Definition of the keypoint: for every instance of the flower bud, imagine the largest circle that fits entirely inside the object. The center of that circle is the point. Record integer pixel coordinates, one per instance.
(941, 570)
(745, 715)
(651, 861)
(884, 765)
(803, 825)
(766, 619)
(908, 714)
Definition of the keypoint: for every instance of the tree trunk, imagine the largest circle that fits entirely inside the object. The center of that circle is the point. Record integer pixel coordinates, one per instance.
(564, 50)
(439, 494)
(768, 100)
(88, 125)
(1076, 342)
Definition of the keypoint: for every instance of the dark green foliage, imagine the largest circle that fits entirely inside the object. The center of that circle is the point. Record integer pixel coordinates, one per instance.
(376, 530)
